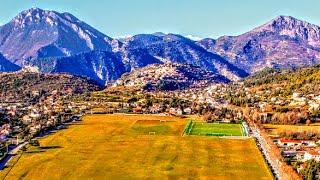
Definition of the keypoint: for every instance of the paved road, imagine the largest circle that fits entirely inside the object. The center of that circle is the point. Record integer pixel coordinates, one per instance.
(16, 149)
(10, 155)
(266, 152)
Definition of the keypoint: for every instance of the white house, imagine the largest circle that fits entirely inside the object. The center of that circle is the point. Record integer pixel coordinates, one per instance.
(26, 119)
(308, 143)
(187, 110)
(34, 114)
(313, 106)
(289, 143)
(312, 155)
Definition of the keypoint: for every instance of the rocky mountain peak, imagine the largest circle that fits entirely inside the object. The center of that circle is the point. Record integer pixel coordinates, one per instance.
(283, 18)
(38, 16)
(293, 28)
(283, 42)
(38, 33)
(34, 15)
(282, 23)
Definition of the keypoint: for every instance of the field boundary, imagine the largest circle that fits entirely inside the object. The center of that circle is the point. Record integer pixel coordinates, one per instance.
(235, 137)
(245, 128)
(216, 134)
(188, 128)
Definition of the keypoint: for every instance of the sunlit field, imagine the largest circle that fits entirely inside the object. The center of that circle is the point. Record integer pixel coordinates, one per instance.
(136, 147)
(278, 129)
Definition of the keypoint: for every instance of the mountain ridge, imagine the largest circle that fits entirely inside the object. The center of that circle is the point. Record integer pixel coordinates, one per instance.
(283, 42)
(60, 42)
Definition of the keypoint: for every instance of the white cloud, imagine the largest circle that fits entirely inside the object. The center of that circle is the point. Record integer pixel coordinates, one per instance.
(124, 37)
(192, 37)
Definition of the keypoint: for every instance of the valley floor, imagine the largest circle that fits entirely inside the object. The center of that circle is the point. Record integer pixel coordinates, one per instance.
(135, 147)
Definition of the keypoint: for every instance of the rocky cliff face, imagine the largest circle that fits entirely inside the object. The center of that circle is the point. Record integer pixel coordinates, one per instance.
(37, 33)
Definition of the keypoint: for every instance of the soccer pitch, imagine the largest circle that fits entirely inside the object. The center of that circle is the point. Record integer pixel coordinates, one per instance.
(216, 129)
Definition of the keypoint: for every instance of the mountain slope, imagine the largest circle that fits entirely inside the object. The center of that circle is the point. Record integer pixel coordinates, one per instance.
(7, 66)
(284, 42)
(101, 66)
(136, 52)
(41, 33)
(178, 49)
(169, 76)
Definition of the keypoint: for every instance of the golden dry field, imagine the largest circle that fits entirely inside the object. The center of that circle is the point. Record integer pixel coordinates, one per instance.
(277, 129)
(121, 147)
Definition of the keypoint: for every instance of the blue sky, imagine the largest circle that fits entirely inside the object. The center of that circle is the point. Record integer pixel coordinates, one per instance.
(203, 18)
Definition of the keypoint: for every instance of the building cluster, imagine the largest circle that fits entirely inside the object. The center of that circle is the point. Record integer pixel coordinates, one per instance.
(299, 150)
(22, 121)
(168, 76)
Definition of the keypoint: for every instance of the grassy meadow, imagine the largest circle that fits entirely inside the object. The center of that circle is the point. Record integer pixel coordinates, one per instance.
(121, 147)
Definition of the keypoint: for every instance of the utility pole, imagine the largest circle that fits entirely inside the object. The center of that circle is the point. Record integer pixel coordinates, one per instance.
(7, 145)
(17, 141)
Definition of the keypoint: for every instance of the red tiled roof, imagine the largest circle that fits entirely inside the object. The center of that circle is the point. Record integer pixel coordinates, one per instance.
(314, 153)
(283, 140)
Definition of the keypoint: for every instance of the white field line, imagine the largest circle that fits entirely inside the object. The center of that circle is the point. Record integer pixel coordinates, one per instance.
(241, 130)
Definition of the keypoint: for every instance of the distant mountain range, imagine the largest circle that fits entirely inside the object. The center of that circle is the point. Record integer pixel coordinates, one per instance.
(284, 42)
(59, 42)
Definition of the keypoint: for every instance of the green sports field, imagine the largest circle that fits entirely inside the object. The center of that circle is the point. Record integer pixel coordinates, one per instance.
(222, 129)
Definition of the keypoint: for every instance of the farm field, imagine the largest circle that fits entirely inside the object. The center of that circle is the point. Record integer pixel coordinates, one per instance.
(277, 129)
(121, 147)
(224, 129)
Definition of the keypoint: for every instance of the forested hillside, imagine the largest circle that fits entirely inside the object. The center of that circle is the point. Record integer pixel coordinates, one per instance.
(304, 80)
(26, 87)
